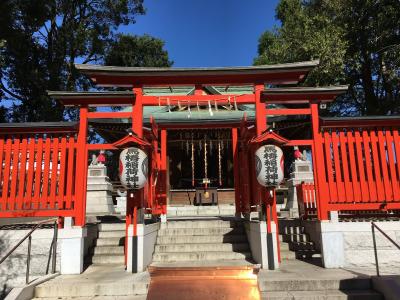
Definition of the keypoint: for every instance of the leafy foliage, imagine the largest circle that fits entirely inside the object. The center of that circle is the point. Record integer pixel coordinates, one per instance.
(137, 51)
(42, 41)
(357, 42)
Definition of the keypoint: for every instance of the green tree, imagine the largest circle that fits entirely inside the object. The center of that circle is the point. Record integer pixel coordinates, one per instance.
(357, 42)
(43, 40)
(137, 51)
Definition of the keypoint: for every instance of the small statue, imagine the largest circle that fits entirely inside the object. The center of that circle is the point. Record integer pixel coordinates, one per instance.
(98, 160)
(101, 159)
(297, 154)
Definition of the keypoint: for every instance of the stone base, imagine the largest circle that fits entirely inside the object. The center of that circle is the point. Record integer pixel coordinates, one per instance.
(141, 247)
(99, 199)
(72, 250)
(121, 206)
(263, 245)
(349, 244)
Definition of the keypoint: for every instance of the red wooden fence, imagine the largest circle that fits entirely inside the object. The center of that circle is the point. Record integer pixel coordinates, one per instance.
(359, 169)
(307, 200)
(37, 175)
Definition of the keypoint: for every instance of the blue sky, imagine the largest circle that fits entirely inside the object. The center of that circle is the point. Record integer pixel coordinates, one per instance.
(207, 33)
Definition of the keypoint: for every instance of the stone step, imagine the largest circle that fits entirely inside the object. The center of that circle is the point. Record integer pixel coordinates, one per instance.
(101, 259)
(120, 297)
(231, 238)
(199, 231)
(198, 256)
(111, 227)
(282, 223)
(268, 285)
(199, 211)
(296, 246)
(201, 224)
(116, 241)
(288, 255)
(202, 247)
(295, 237)
(302, 254)
(284, 246)
(112, 234)
(325, 295)
(108, 250)
(82, 289)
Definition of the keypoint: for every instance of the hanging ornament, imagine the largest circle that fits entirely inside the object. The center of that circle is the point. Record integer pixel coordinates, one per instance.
(210, 109)
(234, 103)
(198, 107)
(219, 164)
(190, 112)
(229, 103)
(169, 107)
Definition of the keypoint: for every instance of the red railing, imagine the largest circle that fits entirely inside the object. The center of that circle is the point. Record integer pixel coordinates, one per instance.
(307, 200)
(37, 175)
(357, 169)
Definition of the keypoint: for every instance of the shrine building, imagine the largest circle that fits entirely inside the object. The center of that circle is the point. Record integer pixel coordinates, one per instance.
(222, 166)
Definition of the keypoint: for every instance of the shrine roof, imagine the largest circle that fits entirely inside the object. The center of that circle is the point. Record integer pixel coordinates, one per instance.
(68, 98)
(360, 121)
(303, 94)
(288, 73)
(30, 127)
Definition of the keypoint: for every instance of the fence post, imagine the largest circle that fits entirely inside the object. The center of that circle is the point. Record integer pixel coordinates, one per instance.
(81, 168)
(321, 192)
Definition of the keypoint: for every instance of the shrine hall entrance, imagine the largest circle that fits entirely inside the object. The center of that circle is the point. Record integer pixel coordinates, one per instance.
(200, 167)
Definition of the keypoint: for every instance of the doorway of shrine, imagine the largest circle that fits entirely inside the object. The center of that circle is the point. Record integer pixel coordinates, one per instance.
(200, 167)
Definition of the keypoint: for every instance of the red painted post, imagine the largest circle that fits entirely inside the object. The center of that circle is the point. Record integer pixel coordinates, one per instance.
(137, 112)
(163, 171)
(261, 117)
(322, 193)
(81, 168)
(236, 166)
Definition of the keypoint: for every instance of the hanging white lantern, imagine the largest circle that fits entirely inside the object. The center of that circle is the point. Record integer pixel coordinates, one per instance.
(269, 165)
(133, 168)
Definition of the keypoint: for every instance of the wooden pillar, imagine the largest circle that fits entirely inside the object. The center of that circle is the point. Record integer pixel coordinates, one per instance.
(236, 171)
(261, 117)
(135, 198)
(318, 164)
(81, 168)
(244, 162)
(258, 193)
(163, 171)
(137, 112)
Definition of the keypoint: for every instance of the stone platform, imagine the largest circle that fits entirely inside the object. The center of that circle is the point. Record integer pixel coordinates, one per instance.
(201, 211)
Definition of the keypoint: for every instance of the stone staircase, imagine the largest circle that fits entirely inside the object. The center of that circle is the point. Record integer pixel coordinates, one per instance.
(109, 248)
(186, 242)
(102, 282)
(295, 242)
(307, 282)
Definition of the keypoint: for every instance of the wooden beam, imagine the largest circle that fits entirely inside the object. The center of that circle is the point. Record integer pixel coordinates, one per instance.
(110, 115)
(288, 111)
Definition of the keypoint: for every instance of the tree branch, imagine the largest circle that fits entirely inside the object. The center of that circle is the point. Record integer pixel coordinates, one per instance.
(10, 92)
